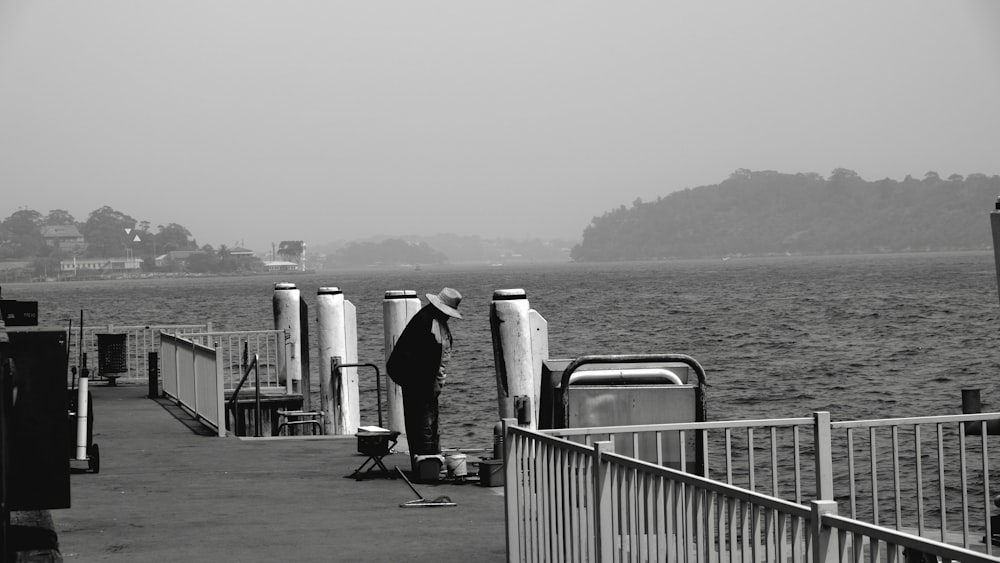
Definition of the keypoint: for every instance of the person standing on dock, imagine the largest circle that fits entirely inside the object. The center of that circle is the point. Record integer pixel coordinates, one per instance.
(419, 363)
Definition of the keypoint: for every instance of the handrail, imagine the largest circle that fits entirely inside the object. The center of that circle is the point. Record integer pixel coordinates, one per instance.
(236, 394)
(633, 359)
(336, 366)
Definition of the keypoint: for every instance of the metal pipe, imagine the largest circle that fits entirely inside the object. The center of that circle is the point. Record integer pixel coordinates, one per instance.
(258, 432)
(338, 366)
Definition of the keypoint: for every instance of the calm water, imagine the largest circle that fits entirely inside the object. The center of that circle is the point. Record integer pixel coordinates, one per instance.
(860, 336)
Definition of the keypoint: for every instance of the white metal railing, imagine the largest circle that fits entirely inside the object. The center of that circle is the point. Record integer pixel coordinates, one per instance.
(140, 340)
(567, 501)
(923, 475)
(192, 376)
(237, 346)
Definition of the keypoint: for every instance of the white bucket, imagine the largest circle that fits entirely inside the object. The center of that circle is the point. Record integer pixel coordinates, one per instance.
(456, 465)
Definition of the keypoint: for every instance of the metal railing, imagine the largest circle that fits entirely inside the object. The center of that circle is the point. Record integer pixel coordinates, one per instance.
(925, 475)
(192, 377)
(567, 501)
(251, 367)
(140, 341)
(269, 346)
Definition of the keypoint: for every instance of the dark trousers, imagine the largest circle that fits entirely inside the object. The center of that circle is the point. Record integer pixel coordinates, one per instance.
(420, 411)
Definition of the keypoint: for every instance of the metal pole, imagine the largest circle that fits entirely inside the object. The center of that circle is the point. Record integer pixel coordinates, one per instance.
(378, 397)
(153, 374)
(256, 375)
(995, 227)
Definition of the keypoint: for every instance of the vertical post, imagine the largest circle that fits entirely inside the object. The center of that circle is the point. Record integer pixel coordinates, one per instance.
(81, 415)
(220, 395)
(511, 481)
(285, 304)
(327, 305)
(539, 328)
(972, 404)
(6, 405)
(823, 541)
(511, 330)
(824, 455)
(604, 536)
(995, 227)
(334, 326)
(258, 413)
(194, 375)
(304, 347)
(153, 374)
(398, 307)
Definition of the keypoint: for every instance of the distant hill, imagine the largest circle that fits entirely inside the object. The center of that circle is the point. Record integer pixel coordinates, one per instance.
(767, 212)
(444, 248)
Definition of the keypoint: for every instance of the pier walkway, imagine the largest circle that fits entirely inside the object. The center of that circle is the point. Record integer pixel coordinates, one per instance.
(166, 491)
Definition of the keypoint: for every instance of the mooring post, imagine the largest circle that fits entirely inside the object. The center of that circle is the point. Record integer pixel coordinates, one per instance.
(337, 325)
(332, 342)
(510, 326)
(398, 307)
(995, 227)
(285, 303)
(972, 404)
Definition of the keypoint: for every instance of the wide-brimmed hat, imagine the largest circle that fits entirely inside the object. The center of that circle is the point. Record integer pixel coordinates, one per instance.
(447, 301)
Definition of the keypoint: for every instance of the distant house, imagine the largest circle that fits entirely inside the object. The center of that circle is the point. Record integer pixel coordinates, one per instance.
(177, 258)
(241, 252)
(279, 266)
(66, 238)
(101, 265)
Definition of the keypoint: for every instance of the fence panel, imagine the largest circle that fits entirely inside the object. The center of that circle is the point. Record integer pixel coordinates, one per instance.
(926, 475)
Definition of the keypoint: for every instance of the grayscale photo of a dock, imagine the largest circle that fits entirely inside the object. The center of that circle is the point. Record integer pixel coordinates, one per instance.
(520, 282)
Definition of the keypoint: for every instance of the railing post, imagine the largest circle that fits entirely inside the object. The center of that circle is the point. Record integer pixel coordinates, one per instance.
(220, 396)
(510, 482)
(604, 537)
(194, 374)
(824, 455)
(824, 546)
(153, 374)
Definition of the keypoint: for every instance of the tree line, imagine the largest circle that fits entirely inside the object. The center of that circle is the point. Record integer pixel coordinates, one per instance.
(754, 213)
(109, 233)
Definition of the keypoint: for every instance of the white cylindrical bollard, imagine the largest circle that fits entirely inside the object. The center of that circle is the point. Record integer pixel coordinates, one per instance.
(286, 317)
(81, 416)
(329, 321)
(341, 395)
(511, 327)
(398, 307)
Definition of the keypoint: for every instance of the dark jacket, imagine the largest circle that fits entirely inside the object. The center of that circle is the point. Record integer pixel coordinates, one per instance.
(420, 357)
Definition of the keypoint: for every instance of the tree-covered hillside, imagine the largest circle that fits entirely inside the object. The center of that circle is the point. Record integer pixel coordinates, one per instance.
(767, 212)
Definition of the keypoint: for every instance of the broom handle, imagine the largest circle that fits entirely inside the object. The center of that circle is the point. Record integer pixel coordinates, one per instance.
(401, 474)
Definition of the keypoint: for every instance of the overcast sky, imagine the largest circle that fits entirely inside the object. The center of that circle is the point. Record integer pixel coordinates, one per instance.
(262, 121)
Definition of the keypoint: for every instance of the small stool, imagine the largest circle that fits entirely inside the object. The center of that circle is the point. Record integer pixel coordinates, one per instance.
(376, 444)
(297, 418)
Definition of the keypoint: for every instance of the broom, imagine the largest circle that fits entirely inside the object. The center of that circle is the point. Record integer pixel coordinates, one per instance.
(421, 501)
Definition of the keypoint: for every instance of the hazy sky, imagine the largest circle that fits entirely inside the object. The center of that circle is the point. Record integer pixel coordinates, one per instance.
(324, 120)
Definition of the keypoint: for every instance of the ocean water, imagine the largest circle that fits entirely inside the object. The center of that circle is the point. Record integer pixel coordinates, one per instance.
(859, 336)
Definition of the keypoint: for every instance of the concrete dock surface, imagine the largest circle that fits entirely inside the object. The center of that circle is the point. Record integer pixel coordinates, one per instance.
(167, 491)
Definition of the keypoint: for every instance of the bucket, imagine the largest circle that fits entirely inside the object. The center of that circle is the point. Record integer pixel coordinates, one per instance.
(456, 465)
(491, 473)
